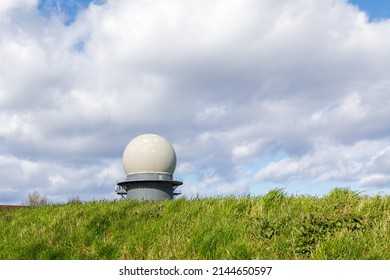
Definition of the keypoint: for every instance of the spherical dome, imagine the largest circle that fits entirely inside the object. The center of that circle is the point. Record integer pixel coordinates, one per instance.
(149, 153)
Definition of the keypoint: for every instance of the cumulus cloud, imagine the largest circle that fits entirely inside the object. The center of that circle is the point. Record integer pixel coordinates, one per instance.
(227, 82)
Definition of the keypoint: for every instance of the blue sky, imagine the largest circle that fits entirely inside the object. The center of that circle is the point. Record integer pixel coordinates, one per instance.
(253, 95)
(67, 9)
(376, 9)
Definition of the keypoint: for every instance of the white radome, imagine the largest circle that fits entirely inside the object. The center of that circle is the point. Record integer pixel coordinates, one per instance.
(149, 153)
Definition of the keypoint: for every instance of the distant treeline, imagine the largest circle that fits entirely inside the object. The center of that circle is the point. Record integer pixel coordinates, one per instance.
(10, 206)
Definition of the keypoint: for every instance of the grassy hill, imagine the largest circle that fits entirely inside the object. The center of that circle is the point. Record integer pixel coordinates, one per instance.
(341, 225)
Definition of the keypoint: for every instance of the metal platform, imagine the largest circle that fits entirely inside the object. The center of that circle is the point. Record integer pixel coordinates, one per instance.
(148, 186)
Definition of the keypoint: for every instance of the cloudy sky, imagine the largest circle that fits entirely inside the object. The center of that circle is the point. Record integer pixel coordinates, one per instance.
(253, 94)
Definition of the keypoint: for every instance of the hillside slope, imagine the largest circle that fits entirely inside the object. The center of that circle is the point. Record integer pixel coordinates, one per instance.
(341, 225)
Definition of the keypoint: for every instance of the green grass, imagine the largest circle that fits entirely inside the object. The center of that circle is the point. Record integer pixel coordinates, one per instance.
(341, 225)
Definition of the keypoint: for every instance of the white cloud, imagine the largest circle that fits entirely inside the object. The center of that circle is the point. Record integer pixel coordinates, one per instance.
(228, 82)
(211, 114)
(364, 162)
(375, 181)
(7, 5)
(57, 181)
(246, 150)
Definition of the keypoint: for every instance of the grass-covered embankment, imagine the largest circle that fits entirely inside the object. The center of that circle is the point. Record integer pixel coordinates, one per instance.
(341, 225)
